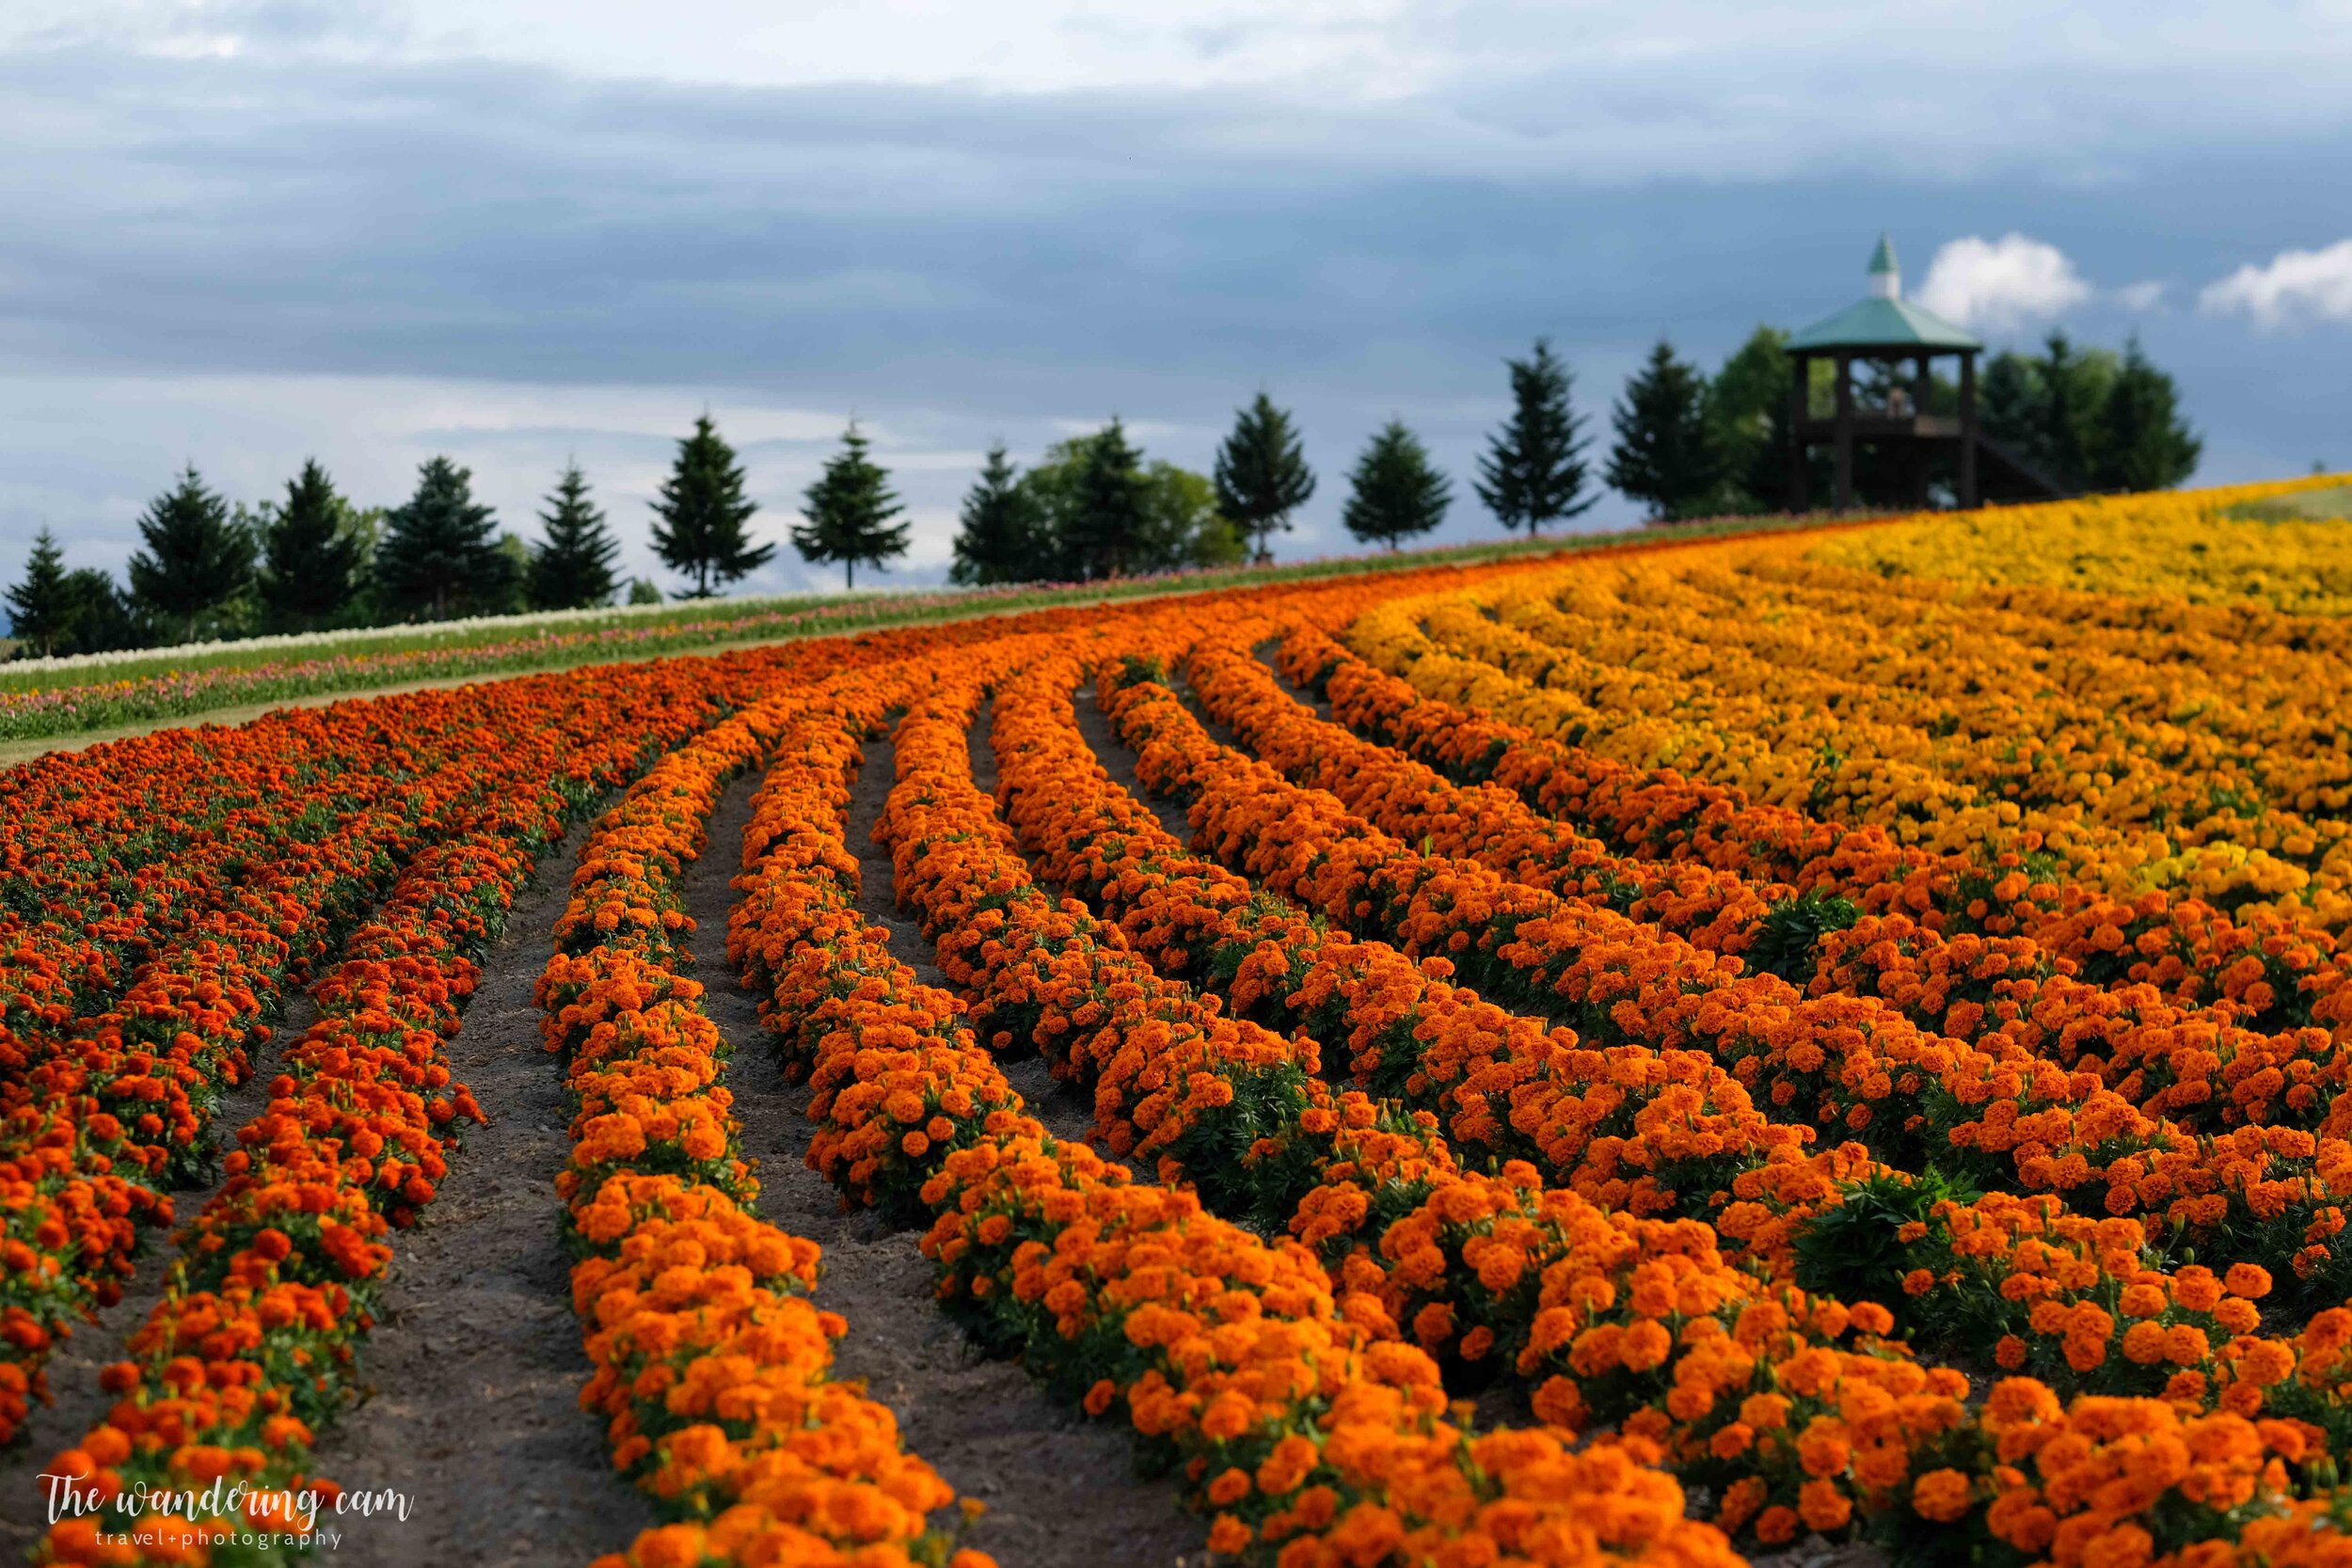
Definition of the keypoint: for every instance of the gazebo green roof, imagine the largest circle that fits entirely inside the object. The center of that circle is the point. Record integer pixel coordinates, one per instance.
(1885, 320)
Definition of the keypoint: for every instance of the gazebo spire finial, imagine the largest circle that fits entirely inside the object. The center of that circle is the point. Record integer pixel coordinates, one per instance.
(1887, 277)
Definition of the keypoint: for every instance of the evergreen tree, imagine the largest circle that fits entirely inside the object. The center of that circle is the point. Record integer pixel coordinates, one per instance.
(1002, 536)
(1665, 454)
(195, 559)
(1261, 473)
(2061, 442)
(1103, 533)
(1163, 517)
(103, 617)
(1396, 493)
(2009, 399)
(312, 558)
(700, 517)
(1534, 470)
(2145, 444)
(572, 569)
(440, 556)
(848, 512)
(43, 612)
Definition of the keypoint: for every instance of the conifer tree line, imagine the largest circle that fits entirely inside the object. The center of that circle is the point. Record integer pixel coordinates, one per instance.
(1684, 444)
(314, 560)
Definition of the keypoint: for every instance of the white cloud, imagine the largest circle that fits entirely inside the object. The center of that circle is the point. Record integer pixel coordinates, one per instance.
(2141, 297)
(2294, 283)
(2001, 283)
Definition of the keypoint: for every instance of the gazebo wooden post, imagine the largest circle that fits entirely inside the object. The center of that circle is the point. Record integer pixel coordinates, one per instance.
(1922, 389)
(1845, 432)
(1799, 409)
(1968, 428)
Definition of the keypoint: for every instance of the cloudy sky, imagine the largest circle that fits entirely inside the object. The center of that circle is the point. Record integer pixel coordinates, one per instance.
(242, 232)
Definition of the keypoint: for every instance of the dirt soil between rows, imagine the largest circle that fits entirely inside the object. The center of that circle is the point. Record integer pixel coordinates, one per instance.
(476, 1364)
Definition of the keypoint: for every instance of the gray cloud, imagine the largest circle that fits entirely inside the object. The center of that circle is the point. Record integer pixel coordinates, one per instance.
(561, 264)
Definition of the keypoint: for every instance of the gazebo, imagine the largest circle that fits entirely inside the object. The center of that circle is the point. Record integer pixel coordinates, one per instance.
(1887, 328)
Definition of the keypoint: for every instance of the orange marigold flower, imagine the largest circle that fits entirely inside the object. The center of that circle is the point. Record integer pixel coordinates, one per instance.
(1942, 1496)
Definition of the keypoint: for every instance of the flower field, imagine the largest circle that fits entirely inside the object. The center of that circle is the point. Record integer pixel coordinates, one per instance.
(1643, 1056)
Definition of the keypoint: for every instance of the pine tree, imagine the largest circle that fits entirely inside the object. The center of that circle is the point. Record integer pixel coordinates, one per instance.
(2144, 443)
(1665, 454)
(1001, 535)
(2060, 442)
(1396, 493)
(573, 568)
(848, 512)
(1533, 471)
(2009, 399)
(43, 612)
(195, 559)
(700, 517)
(1261, 474)
(1109, 505)
(440, 555)
(103, 617)
(312, 558)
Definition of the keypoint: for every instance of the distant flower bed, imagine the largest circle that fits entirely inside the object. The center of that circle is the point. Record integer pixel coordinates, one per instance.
(96, 705)
(2274, 545)
(49, 697)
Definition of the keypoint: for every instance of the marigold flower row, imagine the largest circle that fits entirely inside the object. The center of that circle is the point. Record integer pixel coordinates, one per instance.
(1230, 1355)
(712, 1367)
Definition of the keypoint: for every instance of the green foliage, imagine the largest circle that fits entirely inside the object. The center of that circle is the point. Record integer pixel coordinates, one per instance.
(196, 557)
(2075, 387)
(440, 558)
(1855, 1251)
(2090, 419)
(1103, 526)
(1747, 420)
(2143, 443)
(517, 552)
(572, 568)
(1665, 453)
(849, 512)
(699, 520)
(1261, 473)
(1182, 524)
(105, 617)
(1140, 670)
(1792, 931)
(1002, 535)
(42, 611)
(1534, 470)
(1395, 492)
(312, 559)
(644, 591)
(2009, 394)
(1102, 512)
